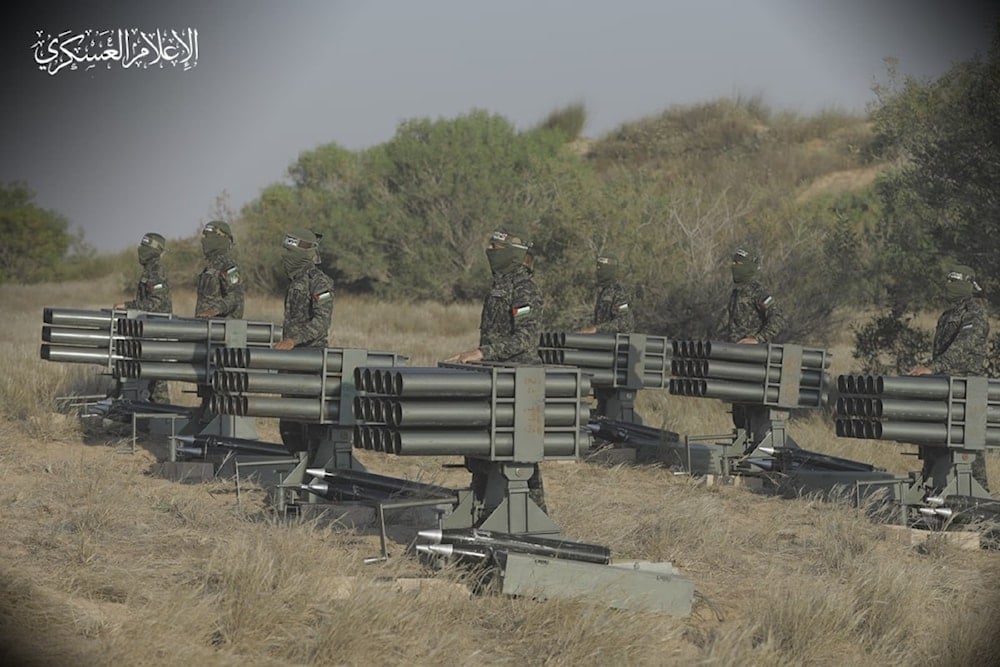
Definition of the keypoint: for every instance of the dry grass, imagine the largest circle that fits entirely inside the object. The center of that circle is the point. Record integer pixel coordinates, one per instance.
(104, 564)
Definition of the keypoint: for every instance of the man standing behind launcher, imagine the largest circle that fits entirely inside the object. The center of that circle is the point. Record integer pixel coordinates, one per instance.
(309, 298)
(613, 305)
(308, 315)
(511, 318)
(220, 288)
(152, 293)
(960, 340)
(510, 322)
(754, 317)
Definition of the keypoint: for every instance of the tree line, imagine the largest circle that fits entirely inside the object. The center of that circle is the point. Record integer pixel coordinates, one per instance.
(670, 195)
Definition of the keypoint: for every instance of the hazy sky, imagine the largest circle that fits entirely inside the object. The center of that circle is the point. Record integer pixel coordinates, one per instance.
(124, 150)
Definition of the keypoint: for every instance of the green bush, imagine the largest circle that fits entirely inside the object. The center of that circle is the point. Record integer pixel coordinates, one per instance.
(941, 202)
(35, 240)
(888, 345)
(567, 121)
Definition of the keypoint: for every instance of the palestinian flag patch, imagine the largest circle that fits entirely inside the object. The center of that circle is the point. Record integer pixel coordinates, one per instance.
(766, 302)
(322, 296)
(232, 275)
(155, 287)
(622, 308)
(519, 311)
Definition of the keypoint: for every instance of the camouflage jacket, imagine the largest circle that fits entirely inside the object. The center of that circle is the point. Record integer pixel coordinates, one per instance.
(220, 288)
(152, 293)
(309, 308)
(960, 339)
(613, 310)
(511, 319)
(753, 312)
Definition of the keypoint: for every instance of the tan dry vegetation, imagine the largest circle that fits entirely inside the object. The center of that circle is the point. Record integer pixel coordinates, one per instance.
(846, 180)
(104, 564)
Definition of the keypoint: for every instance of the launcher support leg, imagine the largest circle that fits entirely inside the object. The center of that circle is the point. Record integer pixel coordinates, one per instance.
(501, 500)
(331, 447)
(761, 426)
(950, 472)
(617, 403)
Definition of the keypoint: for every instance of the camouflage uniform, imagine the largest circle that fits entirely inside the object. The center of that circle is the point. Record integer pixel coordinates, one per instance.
(753, 312)
(220, 288)
(309, 308)
(960, 339)
(508, 331)
(960, 349)
(612, 310)
(152, 293)
(308, 316)
(511, 319)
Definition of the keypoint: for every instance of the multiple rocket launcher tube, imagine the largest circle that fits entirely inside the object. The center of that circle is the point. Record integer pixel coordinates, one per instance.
(465, 410)
(310, 382)
(777, 375)
(422, 411)
(611, 360)
(429, 411)
(155, 347)
(924, 410)
(710, 369)
(445, 410)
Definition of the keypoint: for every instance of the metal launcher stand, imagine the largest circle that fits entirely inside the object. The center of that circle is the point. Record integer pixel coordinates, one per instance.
(764, 383)
(618, 365)
(950, 419)
(503, 421)
(500, 498)
(330, 441)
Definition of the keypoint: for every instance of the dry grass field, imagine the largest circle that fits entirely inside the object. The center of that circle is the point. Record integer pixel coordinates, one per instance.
(103, 564)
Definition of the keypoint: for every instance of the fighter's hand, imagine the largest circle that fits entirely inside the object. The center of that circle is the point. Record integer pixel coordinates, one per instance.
(119, 306)
(284, 344)
(588, 330)
(206, 313)
(466, 357)
(920, 370)
(747, 340)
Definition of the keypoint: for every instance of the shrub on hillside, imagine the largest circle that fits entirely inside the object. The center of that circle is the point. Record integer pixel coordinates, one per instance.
(35, 240)
(567, 121)
(888, 345)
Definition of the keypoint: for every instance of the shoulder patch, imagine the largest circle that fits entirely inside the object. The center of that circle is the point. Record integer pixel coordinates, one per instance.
(520, 311)
(325, 295)
(232, 275)
(622, 307)
(967, 326)
(155, 287)
(765, 302)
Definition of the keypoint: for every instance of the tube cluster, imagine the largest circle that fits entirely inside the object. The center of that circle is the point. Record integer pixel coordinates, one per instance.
(786, 376)
(924, 410)
(305, 384)
(147, 347)
(522, 413)
(632, 361)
